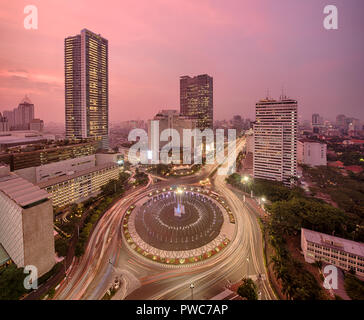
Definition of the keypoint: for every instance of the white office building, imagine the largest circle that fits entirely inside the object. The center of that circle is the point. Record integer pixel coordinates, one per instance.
(275, 140)
(343, 253)
(81, 185)
(311, 153)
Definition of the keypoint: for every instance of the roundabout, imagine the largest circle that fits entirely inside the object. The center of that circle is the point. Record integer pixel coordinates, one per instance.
(178, 225)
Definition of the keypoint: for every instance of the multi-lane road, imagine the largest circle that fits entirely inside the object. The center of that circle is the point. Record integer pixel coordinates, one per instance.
(106, 256)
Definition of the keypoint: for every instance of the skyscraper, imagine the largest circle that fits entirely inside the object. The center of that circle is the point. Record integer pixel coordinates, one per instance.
(86, 87)
(26, 113)
(20, 117)
(196, 99)
(317, 123)
(315, 119)
(4, 124)
(275, 140)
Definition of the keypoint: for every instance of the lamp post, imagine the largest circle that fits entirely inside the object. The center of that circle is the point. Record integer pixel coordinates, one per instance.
(192, 286)
(245, 180)
(262, 202)
(247, 259)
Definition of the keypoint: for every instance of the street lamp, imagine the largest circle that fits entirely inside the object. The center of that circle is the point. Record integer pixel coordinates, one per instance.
(262, 201)
(192, 286)
(245, 180)
(247, 259)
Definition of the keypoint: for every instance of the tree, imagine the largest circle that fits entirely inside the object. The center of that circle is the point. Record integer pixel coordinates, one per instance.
(61, 247)
(248, 289)
(11, 283)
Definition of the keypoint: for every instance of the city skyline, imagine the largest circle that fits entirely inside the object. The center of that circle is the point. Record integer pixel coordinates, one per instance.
(247, 48)
(243, 181)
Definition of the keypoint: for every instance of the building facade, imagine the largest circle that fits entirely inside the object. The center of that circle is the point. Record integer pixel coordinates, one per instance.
(311, 153)
(26, 222)
(36, 125)
(46, 154)
(80, 186)
(168, 120)
(345, 254)
(20, 117)
(56, 169)
(275, 140)
(196, 99)
(86, 87)
(4, 123)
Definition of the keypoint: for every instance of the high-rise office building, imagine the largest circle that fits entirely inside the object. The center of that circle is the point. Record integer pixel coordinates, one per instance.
(315, 119)
(196, 99)
(275, 140)
(341, 121)
(26, 113)
(9, 115)
(86, 87)
(4, 124)
(317, 123)
(21, 117)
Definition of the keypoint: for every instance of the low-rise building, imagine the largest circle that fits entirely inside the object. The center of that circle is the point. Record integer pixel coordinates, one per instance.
(36, 125)
(343, 253)
(80, 186)
(311, 152)
(42, 154)
(9, 139)
(57, 169)
(26, 222)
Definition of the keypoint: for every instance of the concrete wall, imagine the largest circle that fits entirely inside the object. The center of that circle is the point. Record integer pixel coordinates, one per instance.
(312, 153)
(250, 144)
(102, 158)
(29, 174)
(38, 237)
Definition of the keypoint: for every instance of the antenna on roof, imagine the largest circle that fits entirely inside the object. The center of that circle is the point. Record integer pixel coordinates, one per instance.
(267, 94)
(283, 96)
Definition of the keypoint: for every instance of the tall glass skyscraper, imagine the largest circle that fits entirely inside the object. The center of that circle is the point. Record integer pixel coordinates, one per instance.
(86, 87)
(275, 140)
(196, 99)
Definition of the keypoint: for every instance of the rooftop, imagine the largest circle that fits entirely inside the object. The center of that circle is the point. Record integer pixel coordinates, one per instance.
(20, 190)
(349, 246)
(61, 179)
(354, 168)
(7, 139)
(311, 141)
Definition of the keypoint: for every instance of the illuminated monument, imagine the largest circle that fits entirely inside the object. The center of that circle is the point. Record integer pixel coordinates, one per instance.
(180, 209)
(178, 220)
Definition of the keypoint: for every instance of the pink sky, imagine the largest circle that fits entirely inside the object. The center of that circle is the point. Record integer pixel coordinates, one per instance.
(247, 46)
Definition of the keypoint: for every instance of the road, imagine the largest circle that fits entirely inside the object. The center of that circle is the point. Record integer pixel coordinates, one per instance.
(106, 256)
